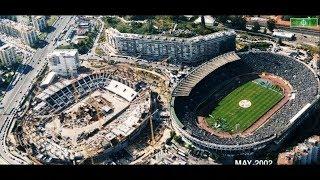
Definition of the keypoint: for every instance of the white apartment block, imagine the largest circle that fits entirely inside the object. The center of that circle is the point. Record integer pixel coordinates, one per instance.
(39, 22)
(64, 61)
(26, 33)
(178, 50)
(7, 55)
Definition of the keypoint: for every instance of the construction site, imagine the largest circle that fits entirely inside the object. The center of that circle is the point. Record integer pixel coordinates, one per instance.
(86, 116)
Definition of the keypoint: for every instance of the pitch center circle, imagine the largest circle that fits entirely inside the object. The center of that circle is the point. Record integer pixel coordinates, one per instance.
(245, 103)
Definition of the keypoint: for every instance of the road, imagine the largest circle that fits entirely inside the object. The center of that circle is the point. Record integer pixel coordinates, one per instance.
(310, 32)
(93, 49)
(13, 99)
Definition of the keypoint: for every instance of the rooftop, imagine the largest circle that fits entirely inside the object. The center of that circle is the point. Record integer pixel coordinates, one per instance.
(283, 34)
(48, 79)
(177, 39)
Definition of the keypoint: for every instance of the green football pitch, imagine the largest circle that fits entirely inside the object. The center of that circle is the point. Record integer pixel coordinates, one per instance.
(231, 116)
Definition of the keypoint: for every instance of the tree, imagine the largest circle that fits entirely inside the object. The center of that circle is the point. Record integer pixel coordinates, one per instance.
(271, 24)
(203, 23)
(287, 17)
(279, 41)
(179, 19)
(238, 22)
(222, 19)
(256, 26)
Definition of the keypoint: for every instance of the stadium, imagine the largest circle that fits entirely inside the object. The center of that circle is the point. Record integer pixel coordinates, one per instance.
(89, 116)
(237, 104)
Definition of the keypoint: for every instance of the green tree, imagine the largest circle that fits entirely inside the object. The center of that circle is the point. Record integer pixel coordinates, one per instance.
(203, 22)
(238, 22)
(279, 41)
(179, 19)
(287, 17)
(123, 27)
(222, 19)
(271, 24)
(256, 26)
(136, 25)
(164, 23)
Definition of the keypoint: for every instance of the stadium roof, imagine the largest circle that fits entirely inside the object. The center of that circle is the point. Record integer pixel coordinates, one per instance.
(185, 86)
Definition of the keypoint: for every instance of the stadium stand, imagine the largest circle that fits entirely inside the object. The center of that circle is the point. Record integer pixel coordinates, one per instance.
(61, 94)
(185, 86)
(195, 89)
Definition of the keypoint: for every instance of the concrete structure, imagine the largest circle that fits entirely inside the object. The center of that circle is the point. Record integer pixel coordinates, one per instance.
(85, 133)
(178, 50)
(39, 22)
(49, 78)
(305, 153)
(7, 55)
(26, 33)
(64, 61)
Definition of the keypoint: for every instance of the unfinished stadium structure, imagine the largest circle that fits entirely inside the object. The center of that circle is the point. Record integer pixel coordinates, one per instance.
(89, 116)
(212, 81)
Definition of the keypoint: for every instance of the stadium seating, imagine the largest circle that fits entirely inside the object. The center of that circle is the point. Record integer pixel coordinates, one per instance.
(205, 81)
(60, 95)
(186, 85)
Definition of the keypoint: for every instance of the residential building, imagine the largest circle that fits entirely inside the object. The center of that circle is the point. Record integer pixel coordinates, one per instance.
(39, 22)
(7, 55)
(178, 50)
(64, 61)
(29, 37)
(26, 33)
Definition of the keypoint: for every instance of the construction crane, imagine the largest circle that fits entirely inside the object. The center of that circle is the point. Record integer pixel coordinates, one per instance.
(151, 127)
